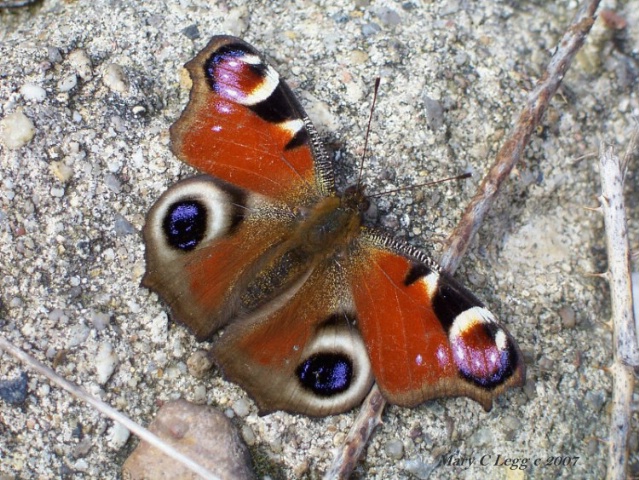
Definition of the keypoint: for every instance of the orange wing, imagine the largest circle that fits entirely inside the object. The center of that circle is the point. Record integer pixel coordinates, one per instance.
(426, 335)
(302, 355)
(204, 239)
(243, 125)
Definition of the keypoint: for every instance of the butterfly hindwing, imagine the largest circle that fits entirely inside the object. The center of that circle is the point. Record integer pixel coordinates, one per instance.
(304, 355)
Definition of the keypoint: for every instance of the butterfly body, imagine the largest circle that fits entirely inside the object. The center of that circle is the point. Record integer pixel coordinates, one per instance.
(314, 304)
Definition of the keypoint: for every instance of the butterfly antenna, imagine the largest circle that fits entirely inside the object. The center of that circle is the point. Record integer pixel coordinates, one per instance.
(434, 182)
(368, 131)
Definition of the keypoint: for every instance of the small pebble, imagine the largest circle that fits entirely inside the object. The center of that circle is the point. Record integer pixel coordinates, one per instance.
(568, 317)
(122, 226)
(160, 328)
(113, 183)
(200, 432)
(419, 468)
(115, 78)
(241, 407)
(371, 29)
(394, 449)
(199, 363)
(191, 32)
(530, 388)
(16, 302)
(511, 425)
(545, 363)
(482, 437)
(82, 448)
(596, 400)
(54, 54)
(14, 391)
(105, 362)
(248, 435)
(199, 395)
(100, 320)
(58, 315)
(61, 171)
(434, 112)
(44, 390)
(339, 438)
(81, 465)
(138, 109)
(16, 130)
(57, 192)
(389, 17)
(118, 436)
(81, 63)
(33, 93)
(178, 350)
(67, 83)
(77, 335)
(358, 57)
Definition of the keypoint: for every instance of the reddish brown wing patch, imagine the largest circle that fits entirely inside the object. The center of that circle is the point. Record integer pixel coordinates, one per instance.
(407, 345)
(243, 125)
(301, 355)
(427, 337)
(199, 287)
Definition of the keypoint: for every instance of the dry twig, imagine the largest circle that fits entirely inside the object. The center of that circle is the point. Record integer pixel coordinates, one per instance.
(510, 153)
(625, 349)
(106, 409)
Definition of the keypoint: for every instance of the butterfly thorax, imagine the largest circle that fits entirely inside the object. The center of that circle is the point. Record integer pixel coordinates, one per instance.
(329, 226)
(323, 235)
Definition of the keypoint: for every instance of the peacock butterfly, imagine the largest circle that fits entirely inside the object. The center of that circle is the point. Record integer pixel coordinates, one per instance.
(314, 304)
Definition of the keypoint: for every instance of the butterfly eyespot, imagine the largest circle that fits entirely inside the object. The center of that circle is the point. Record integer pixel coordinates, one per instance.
(189, 214)
(240, 76)
(326, 374)
(481, 349)
(185, 224)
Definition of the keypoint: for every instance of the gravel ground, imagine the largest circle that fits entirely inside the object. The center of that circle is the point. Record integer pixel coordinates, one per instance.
(97, 85)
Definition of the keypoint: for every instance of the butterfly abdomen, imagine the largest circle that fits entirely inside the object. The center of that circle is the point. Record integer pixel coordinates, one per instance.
(322, 234)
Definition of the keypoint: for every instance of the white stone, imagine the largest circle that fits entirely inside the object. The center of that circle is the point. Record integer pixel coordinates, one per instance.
(81, 62)
(61, 171)
(105, 362)
(118, 436)
(160, 328)
(67, 83)
(115, 78)
(33, 93)
(16, 130)
(77, 335)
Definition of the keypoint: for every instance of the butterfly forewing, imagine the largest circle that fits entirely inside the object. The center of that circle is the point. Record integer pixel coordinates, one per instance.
(427, 336)
(243, 125)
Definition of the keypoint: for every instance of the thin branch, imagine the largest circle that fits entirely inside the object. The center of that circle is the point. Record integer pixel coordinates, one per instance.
(369, 416)
(625, 349)
(513, 149)
(106, 409)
